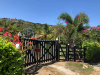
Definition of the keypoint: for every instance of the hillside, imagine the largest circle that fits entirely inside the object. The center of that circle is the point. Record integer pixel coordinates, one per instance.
(20, 24)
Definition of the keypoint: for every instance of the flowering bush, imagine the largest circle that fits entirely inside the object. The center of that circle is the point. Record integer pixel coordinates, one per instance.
(11, 60)
(91, 34)
(14, 64)
(9, 37)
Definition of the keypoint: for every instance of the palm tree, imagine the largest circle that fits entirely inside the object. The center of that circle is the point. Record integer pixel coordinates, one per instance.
(46, 31)
(60, 30)
(76, 23)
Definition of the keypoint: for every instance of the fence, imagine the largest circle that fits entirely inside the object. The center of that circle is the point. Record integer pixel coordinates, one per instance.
(47, 50)
(68, 52)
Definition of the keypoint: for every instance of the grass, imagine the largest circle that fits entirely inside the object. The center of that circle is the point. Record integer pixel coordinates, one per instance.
(78, 67)
(61, 53)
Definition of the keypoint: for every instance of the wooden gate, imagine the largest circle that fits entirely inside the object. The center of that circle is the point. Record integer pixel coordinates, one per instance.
(63, 52)
(66, 52)
(47, 51)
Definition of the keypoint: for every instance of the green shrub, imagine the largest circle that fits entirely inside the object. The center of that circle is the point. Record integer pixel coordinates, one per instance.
(11, 60)
(92, 48)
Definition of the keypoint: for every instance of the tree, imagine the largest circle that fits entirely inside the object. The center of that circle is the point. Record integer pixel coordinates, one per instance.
(78, 22)
(59, 30)
(46, 31)
(98, 26)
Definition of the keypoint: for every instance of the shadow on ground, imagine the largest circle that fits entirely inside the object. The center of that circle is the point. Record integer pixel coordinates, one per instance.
(33, 70)
(35, 67)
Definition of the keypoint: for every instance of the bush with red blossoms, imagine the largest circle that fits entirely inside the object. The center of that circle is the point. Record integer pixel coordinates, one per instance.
(9, 37)
(92, 33)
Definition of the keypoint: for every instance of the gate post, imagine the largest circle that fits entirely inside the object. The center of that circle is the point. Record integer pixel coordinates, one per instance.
(68, 52)
(84, 52)
(37, 52)
(57, 50)
(74, 52)
(20, 38)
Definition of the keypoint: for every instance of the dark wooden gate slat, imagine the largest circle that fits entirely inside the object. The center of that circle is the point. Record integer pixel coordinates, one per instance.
(40, 49)
(68, 52)
(34, 52)
(74, 53)
(44, 51)
(84, 52)
(37, 57)
(54, 48)
(30, 52)
(52, 53)
(39, 52)
(28, 57)
(48, 56)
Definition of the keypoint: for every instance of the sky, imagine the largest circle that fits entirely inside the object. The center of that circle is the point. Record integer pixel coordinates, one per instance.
(47, 11)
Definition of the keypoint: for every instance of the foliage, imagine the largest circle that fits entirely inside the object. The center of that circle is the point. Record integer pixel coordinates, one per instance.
(92, 34)
(66, 17)
(74, 26)
(11, 60)
(92, 48)
(46, 31)
(21, 24)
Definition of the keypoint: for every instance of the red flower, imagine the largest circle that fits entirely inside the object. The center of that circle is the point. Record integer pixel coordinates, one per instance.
(66, 37)
(13, 44)
(95, 43)
(6, 33)
(33, 38)
(22, 49)
(66, 22)
(14, 39)
(63, 31)
(52, 31)
(19, 43)
(9, 34)
(37, 50)
(30, 42)
(2, 36)
(87, 32)
(2, 27)
(84, 30)
(0, 30)
(72, 46)
(8, 27)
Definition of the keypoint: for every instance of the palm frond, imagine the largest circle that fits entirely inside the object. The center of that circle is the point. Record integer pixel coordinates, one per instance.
(66, 17)
(84, 19)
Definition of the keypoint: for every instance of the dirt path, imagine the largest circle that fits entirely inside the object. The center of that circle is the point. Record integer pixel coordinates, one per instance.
(64, 70)
(58, 68)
